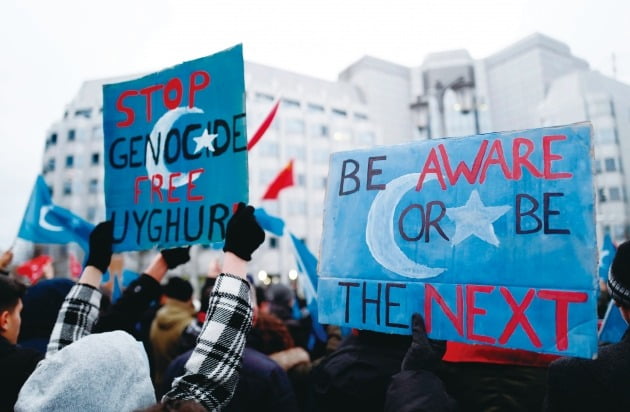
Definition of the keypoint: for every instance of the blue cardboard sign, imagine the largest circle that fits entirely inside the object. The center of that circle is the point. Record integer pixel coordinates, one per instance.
(490, 237)
(176, 153)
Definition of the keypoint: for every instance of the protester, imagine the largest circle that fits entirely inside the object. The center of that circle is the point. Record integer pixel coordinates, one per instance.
(598, 384)
(281, 301)
(171, 320)
(5, 260)
(416, 387)
(111, 368)
(16, 363)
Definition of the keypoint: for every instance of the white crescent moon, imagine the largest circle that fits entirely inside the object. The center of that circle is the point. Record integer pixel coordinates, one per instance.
(162, 127)
(379, 233)
(42, 220)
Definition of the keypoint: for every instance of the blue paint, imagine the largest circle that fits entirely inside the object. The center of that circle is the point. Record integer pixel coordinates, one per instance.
(186, 206)
(375, 230)
(613, 326)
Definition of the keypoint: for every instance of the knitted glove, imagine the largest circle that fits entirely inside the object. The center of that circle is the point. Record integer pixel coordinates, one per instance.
(176, 256)
(424, 353)
(101, 240)
(244, 234)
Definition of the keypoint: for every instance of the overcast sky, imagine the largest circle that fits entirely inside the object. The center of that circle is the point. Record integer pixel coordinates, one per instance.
(48, 48)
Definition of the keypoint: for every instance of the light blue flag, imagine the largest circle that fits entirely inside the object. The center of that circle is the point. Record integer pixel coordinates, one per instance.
(613, 326)
(128, 276)
(307, 264)
(268, 222)
(606, 255)
(45, 222)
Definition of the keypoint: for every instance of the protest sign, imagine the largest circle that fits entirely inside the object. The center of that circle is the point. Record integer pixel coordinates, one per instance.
(176, 153)
(490, 237)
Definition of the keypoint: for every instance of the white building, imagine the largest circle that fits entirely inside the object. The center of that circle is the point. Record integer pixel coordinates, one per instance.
(588, 95)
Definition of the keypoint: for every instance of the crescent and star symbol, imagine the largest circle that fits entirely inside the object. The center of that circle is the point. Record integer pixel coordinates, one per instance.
(472, 219)
(205, 140)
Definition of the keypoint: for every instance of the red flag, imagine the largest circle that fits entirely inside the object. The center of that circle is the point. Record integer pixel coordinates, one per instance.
(34, 269)
(263, 126)
(283, 180)
(75, 266)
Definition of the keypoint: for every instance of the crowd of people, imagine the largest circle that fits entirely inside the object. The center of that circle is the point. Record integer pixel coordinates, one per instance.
(65, 346)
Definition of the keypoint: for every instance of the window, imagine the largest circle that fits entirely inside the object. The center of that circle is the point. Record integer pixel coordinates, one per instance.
(295, 126)
(53, 138)
(263, 97)
(615, 194)
(71, 135)
(598, 166)
(301, 179)
(87, 113)
(601, 194)
(273, 242)
(51, 165)
(296, 152)
(93, 186)
(315, 108)
(69, 162)
(96, 157)
(318, 130)
(606, 136)
(609, 164)
(67, 188)
(360, 116)
(339, 112)
(290, 103)
(268, 149)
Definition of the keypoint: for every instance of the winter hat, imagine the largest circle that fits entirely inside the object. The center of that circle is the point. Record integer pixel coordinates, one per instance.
(619, 278)
(42, 302)
(178, 288)
(103, 371)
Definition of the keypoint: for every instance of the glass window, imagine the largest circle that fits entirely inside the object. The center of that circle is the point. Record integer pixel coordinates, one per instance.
(69, 162)
(601, 194)
(53, 138)
(95, 158)
(360, 116)
(263, 97)
(87, 113)
(318, 130)
(93, 186)
(290, 103)
(301, 179)
(295, 126)
(609, 164)
(296, 152)
(598, 166)
(339, 112)
(273, 242)
(615, 194)
(71, 135)
(315, 108)
(51, 164)
(67, 187)
(268, 149)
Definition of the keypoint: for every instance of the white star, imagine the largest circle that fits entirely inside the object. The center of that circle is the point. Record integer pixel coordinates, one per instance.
(475, 219)
(205, 140)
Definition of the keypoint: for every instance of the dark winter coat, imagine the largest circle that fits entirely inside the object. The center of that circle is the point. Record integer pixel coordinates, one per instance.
(16, 365)
(601, 384)
(263, 384)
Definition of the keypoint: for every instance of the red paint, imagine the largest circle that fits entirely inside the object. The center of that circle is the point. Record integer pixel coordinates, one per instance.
(147, 92)
(462, 168)
(156, 184)
(521, 160)
(432, 165)
(495, 150)
(171, 188)
(194, 87)
(127, 110)
(430, 293)
(472, 311)
(562, 299)
(519, 317)
(189, 196)
(136, 190)
(550, 157)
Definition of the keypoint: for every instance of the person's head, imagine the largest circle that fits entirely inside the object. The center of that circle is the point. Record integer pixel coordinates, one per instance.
(178, 289)
(280, 294)
(619, 280)
(11, 293)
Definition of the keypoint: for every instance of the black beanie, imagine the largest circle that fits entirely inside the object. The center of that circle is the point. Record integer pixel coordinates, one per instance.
(178, 288)
(619, 278)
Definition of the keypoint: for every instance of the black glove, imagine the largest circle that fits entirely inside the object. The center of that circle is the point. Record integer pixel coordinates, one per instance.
(244, 234)
(101, 240)
(424, 353)
(176, 256)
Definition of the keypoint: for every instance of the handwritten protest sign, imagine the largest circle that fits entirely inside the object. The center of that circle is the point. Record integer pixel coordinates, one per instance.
(176, 152)
(490, 237)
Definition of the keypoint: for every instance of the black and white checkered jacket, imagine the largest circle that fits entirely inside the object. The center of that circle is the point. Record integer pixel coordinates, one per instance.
(212, 370)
